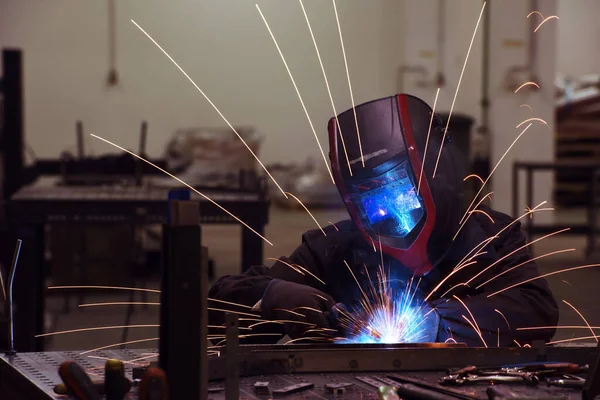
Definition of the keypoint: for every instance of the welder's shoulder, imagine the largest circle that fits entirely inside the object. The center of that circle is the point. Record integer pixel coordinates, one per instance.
(496, 221)
(339, 233)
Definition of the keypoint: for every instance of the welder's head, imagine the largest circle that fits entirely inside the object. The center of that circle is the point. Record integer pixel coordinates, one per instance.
(414, 223)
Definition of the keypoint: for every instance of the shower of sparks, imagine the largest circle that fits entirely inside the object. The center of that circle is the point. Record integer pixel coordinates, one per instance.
(473, 176)
(309, 213)
(297, 92)
(515, 251)
(492, 172)
(118, 344)
(582, 317)
(98, 328)
(389, 315)
(427, 140)
(533, 119)
(527, 84)
(337, 19)
(544, 21)
(544, 276)
(523, 263)
(185, 184)
(332, 224)
(457, 88)
(327, 85)
(210, 102)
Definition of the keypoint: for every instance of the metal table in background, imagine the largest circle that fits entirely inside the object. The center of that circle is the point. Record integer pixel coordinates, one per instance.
(46, 202)
(590, 229)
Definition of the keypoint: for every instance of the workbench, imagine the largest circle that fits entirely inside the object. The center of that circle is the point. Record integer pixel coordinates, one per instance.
(32, 376)
(47, 202)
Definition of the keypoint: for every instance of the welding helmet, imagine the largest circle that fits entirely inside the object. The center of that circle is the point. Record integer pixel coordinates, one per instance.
(377, 151)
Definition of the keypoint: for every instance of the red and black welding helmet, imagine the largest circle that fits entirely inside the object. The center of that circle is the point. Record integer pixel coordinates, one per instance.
(377, 170)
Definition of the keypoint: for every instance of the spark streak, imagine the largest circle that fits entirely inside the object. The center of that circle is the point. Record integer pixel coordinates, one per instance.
(297, 91)
(337, 19)
(120, 303)
(309, 213)
(582, 317)
(427, 140)
(331, 223)
(527, 84)
(546, 19)
(505, 320)
(526, 105)
(484, 213)
(104, 287)
(99, 328)
(118, 344)
(210, 102)
(473, 176)
(574, 339)
(328, 88)
(185, 184)
(457, 88)
(533, 119)
(543, 276)
(535, 328)
(493, 170)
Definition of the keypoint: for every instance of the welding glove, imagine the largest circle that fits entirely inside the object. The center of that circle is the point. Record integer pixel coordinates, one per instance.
(306, 306)
(428, 325)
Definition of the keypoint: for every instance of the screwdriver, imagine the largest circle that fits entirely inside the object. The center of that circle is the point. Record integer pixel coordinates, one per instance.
(77, 381)
(154, 385)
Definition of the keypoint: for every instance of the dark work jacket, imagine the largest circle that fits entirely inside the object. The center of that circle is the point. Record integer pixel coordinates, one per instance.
(498, 317)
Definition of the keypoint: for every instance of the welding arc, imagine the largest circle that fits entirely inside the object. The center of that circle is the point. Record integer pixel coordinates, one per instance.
(328, 88)
(210, 102)
(457, 88)
(185, 184)
(337, 19)
(297, 92)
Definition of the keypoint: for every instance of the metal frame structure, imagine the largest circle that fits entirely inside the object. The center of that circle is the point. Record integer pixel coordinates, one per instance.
(590, 229)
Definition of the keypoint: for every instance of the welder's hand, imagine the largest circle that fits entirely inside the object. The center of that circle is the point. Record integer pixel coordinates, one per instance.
(307, 307)
(429, 324)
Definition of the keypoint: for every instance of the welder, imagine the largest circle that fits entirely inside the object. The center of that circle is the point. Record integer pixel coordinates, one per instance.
(405, 213)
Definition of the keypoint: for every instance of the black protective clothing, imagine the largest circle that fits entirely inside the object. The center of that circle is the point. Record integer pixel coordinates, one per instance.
(498, 317)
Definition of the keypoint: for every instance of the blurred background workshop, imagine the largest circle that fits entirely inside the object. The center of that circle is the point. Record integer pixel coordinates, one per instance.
(91, 214)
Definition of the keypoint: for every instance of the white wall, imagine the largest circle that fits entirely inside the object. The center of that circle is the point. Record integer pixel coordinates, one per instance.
(223, 45)
(577, 37)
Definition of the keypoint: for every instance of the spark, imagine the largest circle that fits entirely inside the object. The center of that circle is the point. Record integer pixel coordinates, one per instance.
(183, 183)
(505, 320)
(427, 140)
(574, 339)
(327, 85)
(292, 266)
(532, 328)
(331, 223)
(515, 251)
(320, 296)
(231, 311)
(533, 119)
(471, 212)
(304, 338)
(290, 311)
(258, 334)
(535, 12)
(546, 19)
(2, 284)
(526, 105)
(210, 102)
(523, 263)
(527, 84)
(308, 308)
(297, 91)
(484, 213)
(473, 176)
(134, 361)
(582, 317)
(105, 287)
(118, 344)
(494, 169)
(120, 303)
(567, 282)
(543, 276)
(450, 339)
(337, 19)
(452, 288)
(223, 327)
(457, 88)
(475, 329)
(281, 322)
(470, 313)
(518, 344)
(309, 213)
(99, 328)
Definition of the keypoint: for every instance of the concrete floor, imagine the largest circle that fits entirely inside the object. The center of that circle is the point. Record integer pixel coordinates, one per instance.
(579, 288)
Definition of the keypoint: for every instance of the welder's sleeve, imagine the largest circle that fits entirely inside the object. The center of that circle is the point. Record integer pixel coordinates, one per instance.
(499, 315)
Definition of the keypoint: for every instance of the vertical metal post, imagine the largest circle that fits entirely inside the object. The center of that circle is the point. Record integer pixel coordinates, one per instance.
(529, 197)
(80, 142)
(182, 347)
(232, 377)
(592, 213)
(515, 189)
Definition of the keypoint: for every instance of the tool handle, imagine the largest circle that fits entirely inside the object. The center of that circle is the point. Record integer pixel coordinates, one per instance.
(410, 391)
(77, 381)
(154, 385)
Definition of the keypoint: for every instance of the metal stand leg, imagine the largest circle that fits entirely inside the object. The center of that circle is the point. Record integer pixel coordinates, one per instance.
(529, 197)
(232, 380)
(29, 290)
(183, 330)
(592, 220)
(252, 246)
